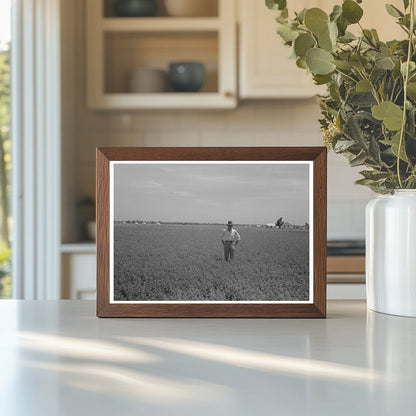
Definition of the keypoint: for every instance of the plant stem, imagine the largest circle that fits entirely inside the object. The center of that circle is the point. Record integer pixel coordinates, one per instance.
(346, 75)
(373, 88)
(406, 80)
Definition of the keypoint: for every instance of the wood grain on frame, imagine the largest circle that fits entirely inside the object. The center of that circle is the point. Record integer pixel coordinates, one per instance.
(211, 309)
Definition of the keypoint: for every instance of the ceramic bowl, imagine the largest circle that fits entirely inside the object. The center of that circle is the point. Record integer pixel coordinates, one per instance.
(186, 76)
(147, 80)
(135, 8)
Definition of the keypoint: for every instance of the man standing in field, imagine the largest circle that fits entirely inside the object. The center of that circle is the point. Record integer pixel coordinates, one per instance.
(230, 239)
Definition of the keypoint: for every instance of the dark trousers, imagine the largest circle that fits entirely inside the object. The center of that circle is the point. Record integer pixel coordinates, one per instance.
(229, 250)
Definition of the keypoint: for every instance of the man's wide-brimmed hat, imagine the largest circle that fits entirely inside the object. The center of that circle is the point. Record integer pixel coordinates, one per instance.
(229, 223)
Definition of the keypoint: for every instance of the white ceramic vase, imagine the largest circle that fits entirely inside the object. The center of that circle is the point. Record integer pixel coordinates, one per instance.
(391, 253)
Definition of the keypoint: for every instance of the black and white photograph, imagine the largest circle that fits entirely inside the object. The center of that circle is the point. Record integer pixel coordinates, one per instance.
(211, 232)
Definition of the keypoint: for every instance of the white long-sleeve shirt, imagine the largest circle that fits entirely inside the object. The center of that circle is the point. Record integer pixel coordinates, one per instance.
(230, 235)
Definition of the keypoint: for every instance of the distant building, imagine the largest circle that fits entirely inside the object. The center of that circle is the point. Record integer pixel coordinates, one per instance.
(287, 226)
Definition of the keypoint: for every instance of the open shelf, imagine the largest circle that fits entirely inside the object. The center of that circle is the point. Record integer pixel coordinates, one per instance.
(126, 51)
(167, 100)
(119, 45)
(87, 247)
(210, 7)
(160, 24)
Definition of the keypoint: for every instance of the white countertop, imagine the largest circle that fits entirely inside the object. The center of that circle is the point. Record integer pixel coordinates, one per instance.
(57, 358)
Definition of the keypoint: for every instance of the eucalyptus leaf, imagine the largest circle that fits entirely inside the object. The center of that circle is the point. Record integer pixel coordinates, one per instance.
(369, 36)
(354, 132)
(394, 145)
(393, 11)
(281, 19)
(347, 37)
(363, 86)
(361, 100)
(365, 182)
(358, 160)
(396, 70)
(374, 150)
(375, 35)
(358, 61)
(303, 43)
(316, 20)
(321, 79)
(385, 50)
(384, 62)
(412, 124)
(325, 42)
(405, 21)
(287, 33)
(351, 11)
(388, 112)
(333, 32)
(343, 145)
(335, 91)
(411, 90)
(374, 174)
(345, 65)
(342, 25)
(320, 61)
(412, 67)
(301, 63)
(336, 12)
(276, 4)
(301, 15)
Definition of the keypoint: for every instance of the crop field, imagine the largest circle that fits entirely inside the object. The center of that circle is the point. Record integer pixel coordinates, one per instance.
(185, 262)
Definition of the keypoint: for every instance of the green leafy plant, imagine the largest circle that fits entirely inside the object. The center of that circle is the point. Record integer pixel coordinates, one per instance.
(369, 112)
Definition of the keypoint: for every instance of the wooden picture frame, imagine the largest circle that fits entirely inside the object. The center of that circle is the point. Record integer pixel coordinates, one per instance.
(231, 158)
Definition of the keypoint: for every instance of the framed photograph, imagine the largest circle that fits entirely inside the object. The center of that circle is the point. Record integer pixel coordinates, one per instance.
(211, 232)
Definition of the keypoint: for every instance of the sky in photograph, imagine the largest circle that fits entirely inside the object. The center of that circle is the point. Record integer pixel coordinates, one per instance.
(212, 193)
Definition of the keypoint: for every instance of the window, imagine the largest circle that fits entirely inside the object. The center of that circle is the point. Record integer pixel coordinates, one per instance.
(5, 147)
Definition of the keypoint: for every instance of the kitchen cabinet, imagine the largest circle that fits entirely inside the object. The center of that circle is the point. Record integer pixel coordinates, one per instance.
(265, 70)
(78, 263)
(118, 45)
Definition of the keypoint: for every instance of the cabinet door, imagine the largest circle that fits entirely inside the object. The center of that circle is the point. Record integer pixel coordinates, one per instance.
(265, 68)
(78, 276)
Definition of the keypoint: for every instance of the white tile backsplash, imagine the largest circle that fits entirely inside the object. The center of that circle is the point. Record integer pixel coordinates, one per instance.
(172, 138)
(346, 219)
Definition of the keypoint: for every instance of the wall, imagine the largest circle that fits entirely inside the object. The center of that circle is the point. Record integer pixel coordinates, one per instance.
(254, 123)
